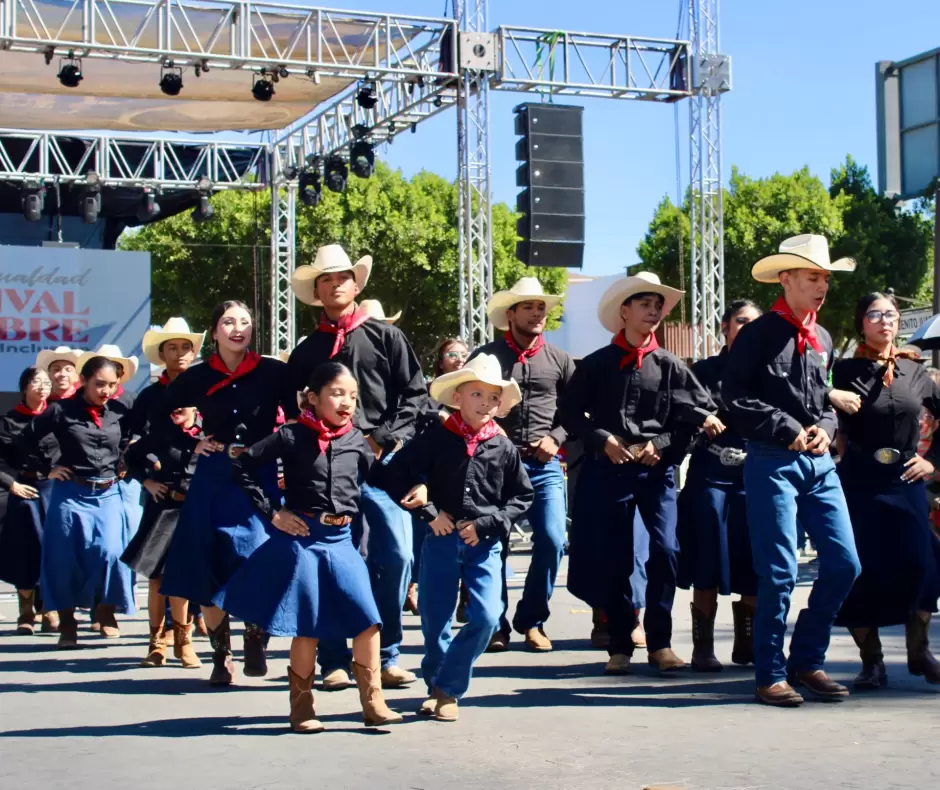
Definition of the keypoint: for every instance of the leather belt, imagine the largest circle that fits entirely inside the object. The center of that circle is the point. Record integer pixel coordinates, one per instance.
(96, 485)
(175, 496)
(235, 450)
(328, 519)
(729, 456)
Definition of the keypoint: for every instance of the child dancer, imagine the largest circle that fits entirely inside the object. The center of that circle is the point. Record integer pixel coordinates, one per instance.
(476, 487)
(308, 581)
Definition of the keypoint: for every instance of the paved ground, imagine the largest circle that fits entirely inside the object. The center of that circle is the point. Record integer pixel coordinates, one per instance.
(94, 719)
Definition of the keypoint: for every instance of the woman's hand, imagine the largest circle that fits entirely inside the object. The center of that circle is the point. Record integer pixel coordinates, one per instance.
(443, 524)
(156, 489)
(60, 473)
(467, 530)
(208, 446)
(24, 491)
(918, 468)
(616, 450)
(648, 455)
(845, 401)
(713, 426)
(416, 497)
(289, 522)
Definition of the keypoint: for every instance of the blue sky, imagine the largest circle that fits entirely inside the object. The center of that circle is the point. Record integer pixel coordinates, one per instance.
(803, 73)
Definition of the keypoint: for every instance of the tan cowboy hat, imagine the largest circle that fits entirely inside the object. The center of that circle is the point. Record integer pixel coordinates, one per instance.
(527, 289)
(175, 328)
(640, 283)
(807, 251)
(61, 354)
(114, 354)
(285, 354)
(330, 258)
(483, 367)
(374, 309)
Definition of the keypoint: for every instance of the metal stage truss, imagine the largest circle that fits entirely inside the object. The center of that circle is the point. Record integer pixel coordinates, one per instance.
(419, 67)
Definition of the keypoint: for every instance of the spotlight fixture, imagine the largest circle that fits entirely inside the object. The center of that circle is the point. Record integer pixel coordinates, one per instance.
(283, 73)
(32, 200)
(171, 80)
(336, 174)
(359, 131)
(70, 72)
(309, 186)
(290, 172)
(362, 158)
(203, 210)
(366, 96)
(263, 87)
(90, 199)
(148, 209)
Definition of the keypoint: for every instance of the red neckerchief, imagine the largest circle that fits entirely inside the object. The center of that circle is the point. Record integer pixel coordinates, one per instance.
(343, 326)
(455, 424)
(864, 351)
(164, 379)
(118, 392)
(632, 354)
(524, 354)
(806, 333)
(22, 408)
(249, 363)
(194, 430)
(95, 413)
(67, 395)
(280, 418)
(325, 434)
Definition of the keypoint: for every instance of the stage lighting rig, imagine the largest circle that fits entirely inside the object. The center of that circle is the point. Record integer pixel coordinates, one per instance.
(32, 200)
(310, 186)
(203, 210)
(70, 71)
(90, 199)
(362, 158)
(148, 209)
(366, 96)
(171, 80)
(263, 87)
(336, 174)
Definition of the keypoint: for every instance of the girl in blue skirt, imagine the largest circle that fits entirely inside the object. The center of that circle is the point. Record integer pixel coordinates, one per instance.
(25, 476)
(715, 548)
(85, 530)
(308, 581)
(880, 394)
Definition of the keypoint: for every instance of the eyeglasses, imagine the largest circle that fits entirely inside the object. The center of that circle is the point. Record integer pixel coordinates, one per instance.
(461, 355)
(887, 316)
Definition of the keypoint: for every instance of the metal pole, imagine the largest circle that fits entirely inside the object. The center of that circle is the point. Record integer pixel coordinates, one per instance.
(936, 262)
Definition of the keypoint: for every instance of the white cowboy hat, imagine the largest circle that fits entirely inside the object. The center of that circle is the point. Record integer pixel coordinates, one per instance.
(330, 258)
(483, 367)
(807, 251)
(640, 283)
(60, 354)
(373, 308)
(527, 289)
(175, 328)
(114, 354)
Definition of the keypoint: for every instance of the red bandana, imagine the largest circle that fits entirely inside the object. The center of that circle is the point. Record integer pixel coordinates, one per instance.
(325, 434)
(67, 395)
(342, 327)
(118, 392)
(95, 413)
(455, 424)
(632, 354)
(806, 333)
(249, 363)
(194, 430)
(22, 408)
(164, 379)
(524, 354)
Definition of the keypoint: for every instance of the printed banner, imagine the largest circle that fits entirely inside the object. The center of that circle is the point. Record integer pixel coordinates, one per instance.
(60, 296)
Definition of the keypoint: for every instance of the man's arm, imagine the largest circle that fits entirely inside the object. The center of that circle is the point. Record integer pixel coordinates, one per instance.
(407, 382)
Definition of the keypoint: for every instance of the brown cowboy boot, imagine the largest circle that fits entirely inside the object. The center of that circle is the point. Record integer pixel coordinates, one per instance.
(873, 674)
(183, 646)
(374, 710)
(68, 629)
(256, 663)
(411, 599)
(703, 642)
(50, 623)
(303, 717)
(742, 653)
(156, 652)
(104, 616)
(25, 623)
(920, 661)
(223, 667)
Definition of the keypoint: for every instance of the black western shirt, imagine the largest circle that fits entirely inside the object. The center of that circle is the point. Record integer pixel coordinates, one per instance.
(170, 458)
(15, 458)
(709, 373)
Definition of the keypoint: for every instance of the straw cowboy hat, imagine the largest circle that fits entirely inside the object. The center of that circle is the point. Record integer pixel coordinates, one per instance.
(373, 308)
(807, 251)
(61, 354)
(483, 367)
(330, 258)
(285, 354)
(527, 289)
(640, 283)
(175, 328)
(114, 354)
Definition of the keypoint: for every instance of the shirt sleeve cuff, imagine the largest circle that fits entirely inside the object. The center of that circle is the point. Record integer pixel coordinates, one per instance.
(382, 437)
(559, 434)
(7, 480)
(599, 437)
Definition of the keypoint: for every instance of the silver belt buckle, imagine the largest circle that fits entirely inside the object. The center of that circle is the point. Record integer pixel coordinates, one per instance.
(887, 455)
(234, 450)
(732, 456)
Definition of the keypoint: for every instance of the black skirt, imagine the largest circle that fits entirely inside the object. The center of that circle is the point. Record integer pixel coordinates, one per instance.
(21, 538)
(146, 553)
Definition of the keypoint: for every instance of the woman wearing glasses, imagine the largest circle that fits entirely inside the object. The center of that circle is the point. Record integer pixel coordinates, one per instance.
(880, 394)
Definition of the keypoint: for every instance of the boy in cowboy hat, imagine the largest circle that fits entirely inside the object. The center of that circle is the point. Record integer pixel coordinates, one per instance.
(60, 364)
(476, 488)
(392, 395)
(776, 391)
(635, 406)
(534, 426)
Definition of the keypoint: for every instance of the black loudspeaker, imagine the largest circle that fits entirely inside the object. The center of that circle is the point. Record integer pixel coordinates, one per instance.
(551, 149)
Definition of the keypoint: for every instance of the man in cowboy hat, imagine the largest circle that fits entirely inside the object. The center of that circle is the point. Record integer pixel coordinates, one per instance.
(636, 407)
(775, 387)
(534, 425)
(60, 364)
(391, 396)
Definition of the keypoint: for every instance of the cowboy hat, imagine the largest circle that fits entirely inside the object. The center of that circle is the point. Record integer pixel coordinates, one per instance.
(374, 309)
(330, 258)
(114, 354)
(483, 367)
(807, 251)
(527, 289)
(175, 328)
(61, 354)
(640, 283)
(285, 354)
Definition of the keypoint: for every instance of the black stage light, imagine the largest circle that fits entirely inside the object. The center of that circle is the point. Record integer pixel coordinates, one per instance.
(149, 208)
(203, 210)
(336, 174)
(32, 200)
(362, 158)
(171, 81)
(290, 172)
(70, 72)
(91, 198)
(366, 96)
(263, 88)
(309, 186)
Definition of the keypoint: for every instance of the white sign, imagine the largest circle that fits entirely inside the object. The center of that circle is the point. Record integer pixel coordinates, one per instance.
(912, 320)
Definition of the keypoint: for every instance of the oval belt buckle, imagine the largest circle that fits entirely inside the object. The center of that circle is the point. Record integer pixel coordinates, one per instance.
(731, 456)
(887, 455)
(235, 450)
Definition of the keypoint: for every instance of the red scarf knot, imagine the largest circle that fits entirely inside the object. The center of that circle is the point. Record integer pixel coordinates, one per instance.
(864, 351)
(632, 353)
(524, 354)
(455, 424)
(95, 412)
(193, 430)
(22, 408)
(249, 363)
(118, 392)
(325, 433)
(66, 395)
(342, 327)
(164, 379)
(805, 333)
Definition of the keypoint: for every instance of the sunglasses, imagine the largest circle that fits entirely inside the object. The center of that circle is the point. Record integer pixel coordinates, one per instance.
(886, 316)
(461, 355)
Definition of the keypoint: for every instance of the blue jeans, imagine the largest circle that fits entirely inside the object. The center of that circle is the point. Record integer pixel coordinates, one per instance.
(389, 559)
(548, 519)
(448, 660)
(641, 554)
(783, 486)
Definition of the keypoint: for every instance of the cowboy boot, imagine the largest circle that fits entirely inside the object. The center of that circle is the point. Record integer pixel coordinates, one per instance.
(183, 646)
(873, 674)
(104, 616)
(600, 638)
(256, 663)
(638, 635)
(50, 623)
(920, 660)
(156, 652)
(223, 668)
(742, 653)
(303, 718)
(374, 710)
(68, 629)
(703, 642)
(25, 622)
